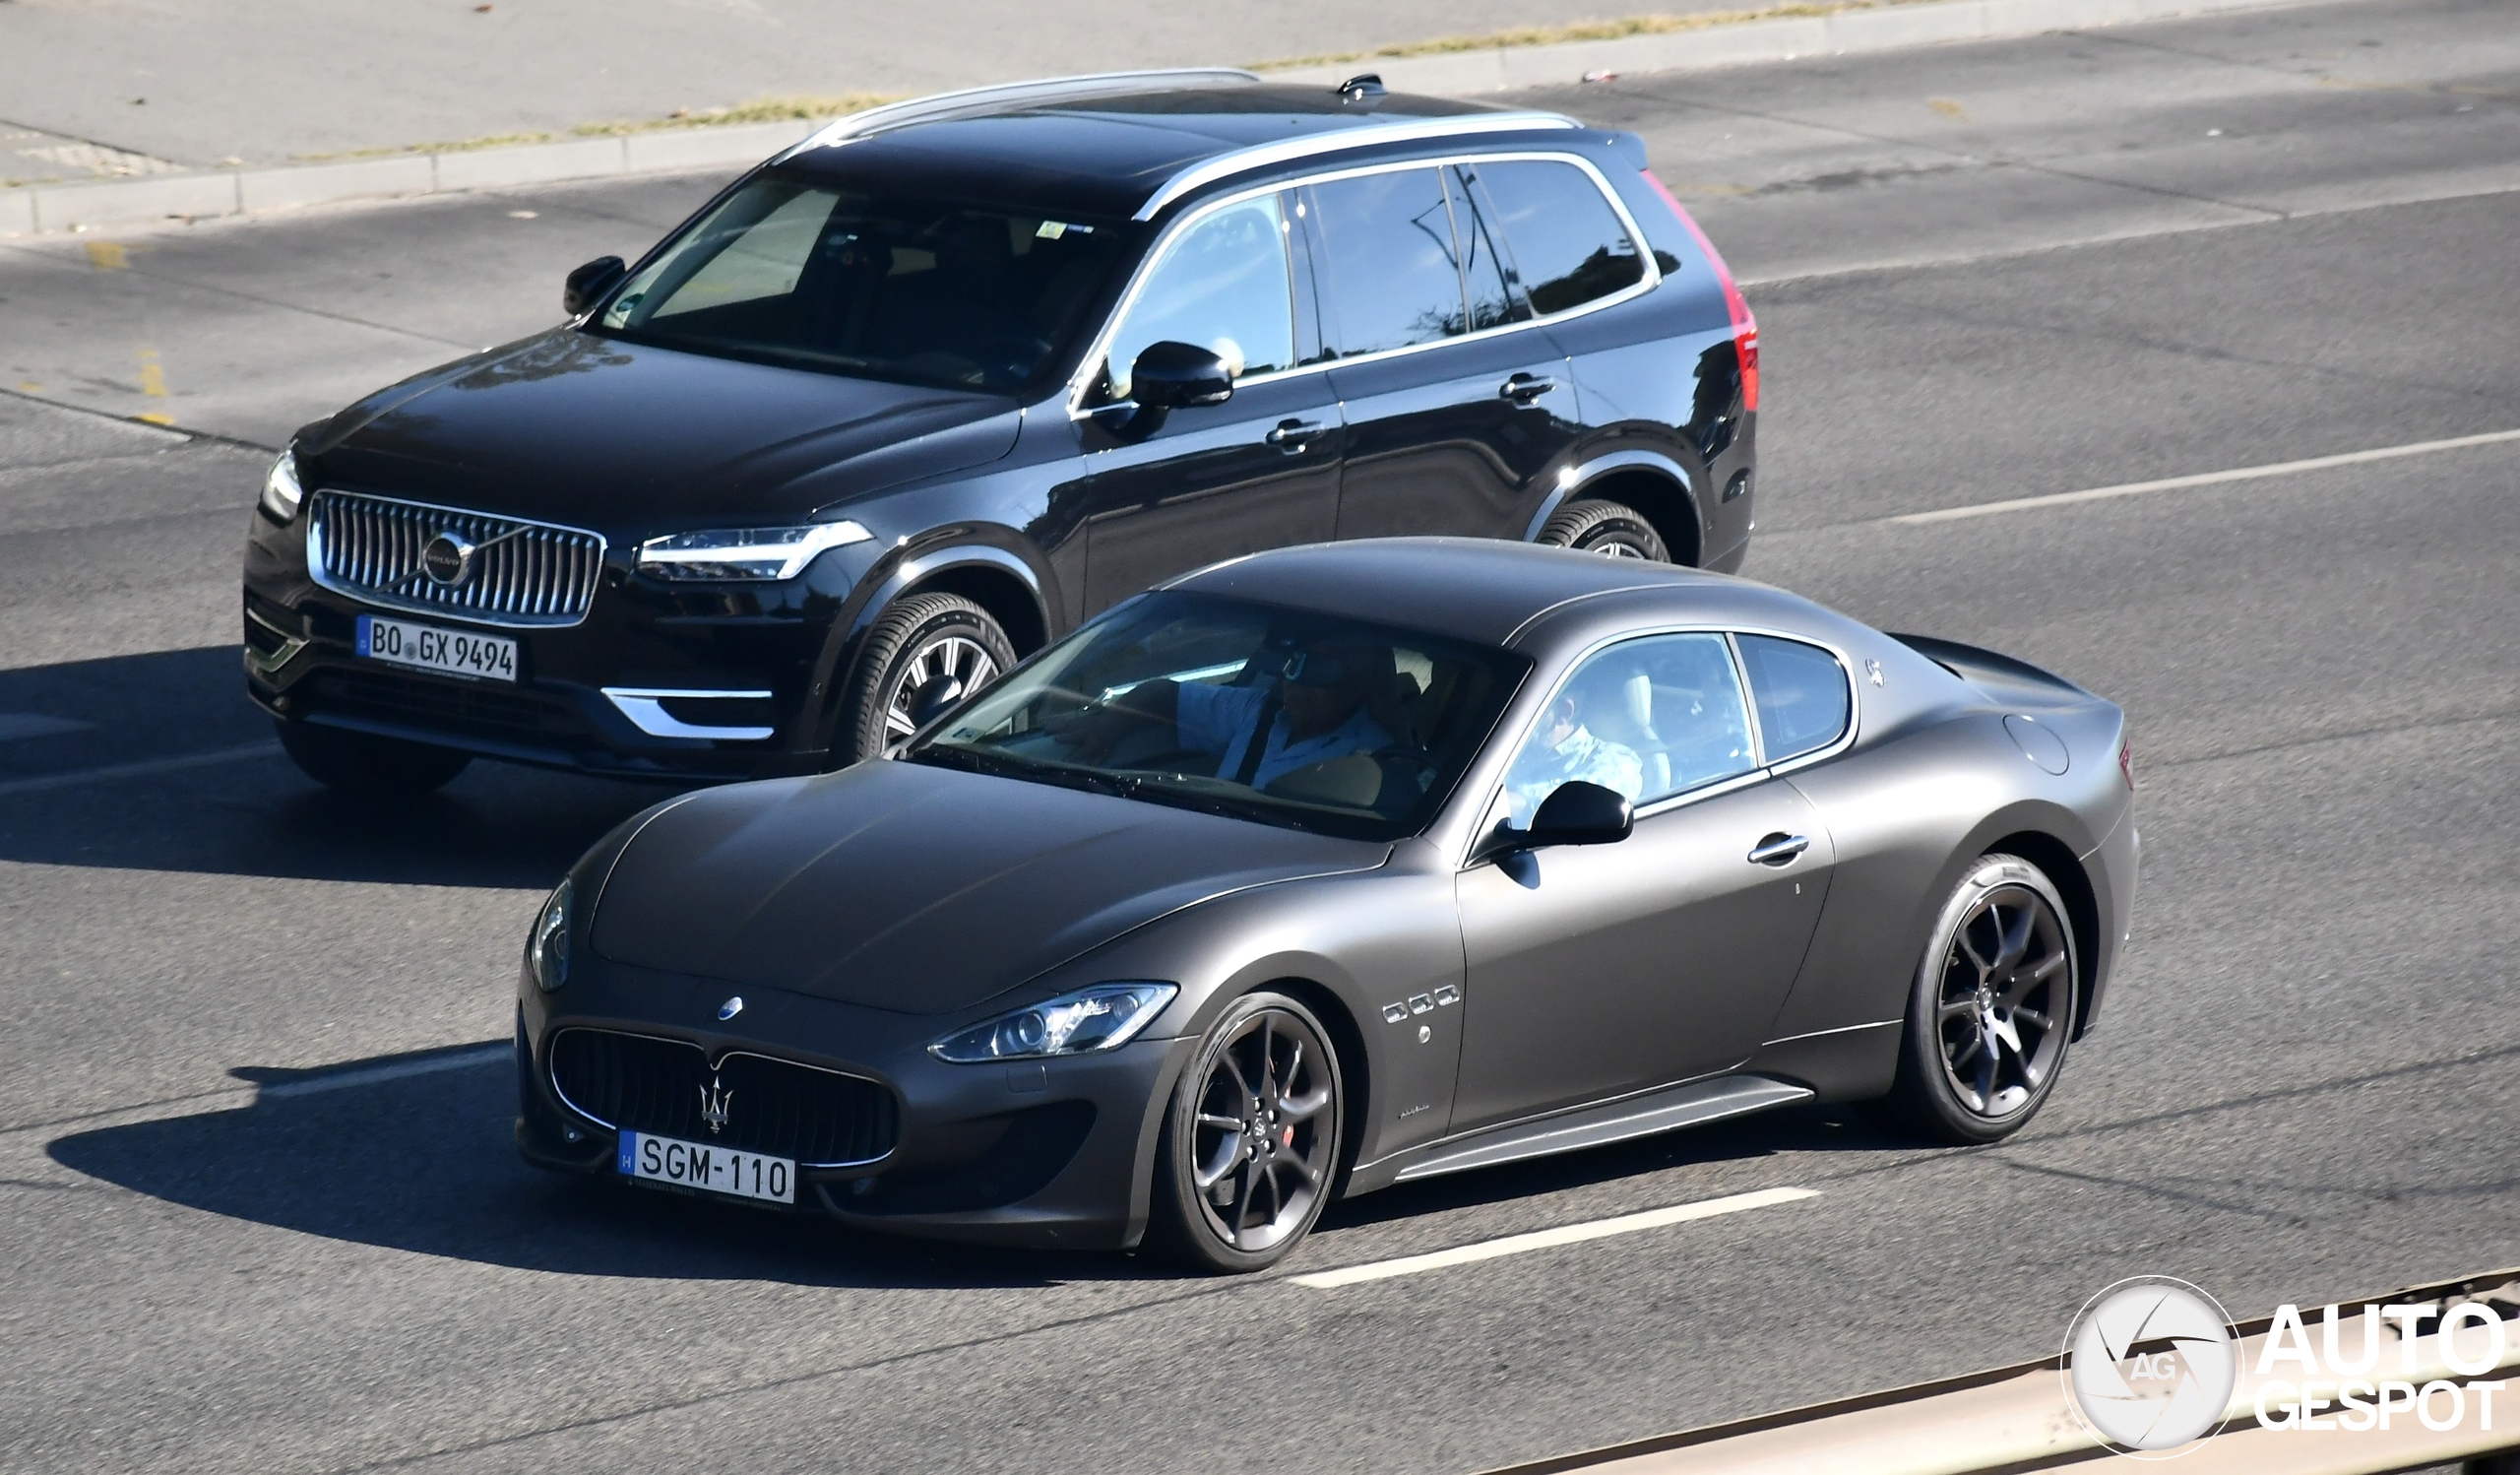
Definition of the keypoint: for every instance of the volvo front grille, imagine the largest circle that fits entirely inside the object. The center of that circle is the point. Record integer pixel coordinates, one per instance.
(441, 560)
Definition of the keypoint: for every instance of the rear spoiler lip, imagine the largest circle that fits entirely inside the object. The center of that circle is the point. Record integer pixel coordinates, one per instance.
(1968, 662)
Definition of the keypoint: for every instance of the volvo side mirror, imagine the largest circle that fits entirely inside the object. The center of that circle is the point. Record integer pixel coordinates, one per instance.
(1177, 375)
(588, 283)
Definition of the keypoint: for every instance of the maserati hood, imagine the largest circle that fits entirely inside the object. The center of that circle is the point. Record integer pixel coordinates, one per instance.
(922, 890)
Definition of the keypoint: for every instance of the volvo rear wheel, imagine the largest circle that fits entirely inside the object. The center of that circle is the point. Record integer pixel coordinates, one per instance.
(1613, 530)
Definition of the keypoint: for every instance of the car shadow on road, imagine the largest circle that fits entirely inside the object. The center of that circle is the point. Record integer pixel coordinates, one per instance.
(427, 1164)
(71, 734)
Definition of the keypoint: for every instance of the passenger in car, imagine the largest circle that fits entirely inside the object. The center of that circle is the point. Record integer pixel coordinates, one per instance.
(1562, 749)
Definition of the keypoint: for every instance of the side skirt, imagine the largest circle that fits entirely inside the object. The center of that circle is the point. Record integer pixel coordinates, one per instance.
(1661, 1111)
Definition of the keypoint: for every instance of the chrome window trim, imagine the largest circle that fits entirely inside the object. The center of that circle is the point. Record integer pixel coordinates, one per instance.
(315, 564)
(644, 706)
(1083, 380)
(1340, 140)
(551, 1079)
(937, 106)
(1740, 673)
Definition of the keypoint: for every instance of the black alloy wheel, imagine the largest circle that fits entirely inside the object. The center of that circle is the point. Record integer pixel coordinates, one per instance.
(368, 765)
(1250, 1147)
(1993, 1010)
(912, 643)
(1613, 530)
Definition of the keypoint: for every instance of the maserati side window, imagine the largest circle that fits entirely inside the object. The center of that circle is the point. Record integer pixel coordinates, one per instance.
(1650, 718)
(879, 285)
(1801, 692)
(1222, 285)
(1391, 278)
(1567, 242)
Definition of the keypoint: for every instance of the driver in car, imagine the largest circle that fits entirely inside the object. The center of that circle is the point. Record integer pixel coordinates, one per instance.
(1316, 708)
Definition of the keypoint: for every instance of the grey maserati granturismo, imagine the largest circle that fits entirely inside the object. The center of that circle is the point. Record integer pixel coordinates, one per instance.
(1330, 867)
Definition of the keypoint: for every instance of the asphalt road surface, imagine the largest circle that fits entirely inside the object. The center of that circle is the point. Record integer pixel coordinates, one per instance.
(254, 1214)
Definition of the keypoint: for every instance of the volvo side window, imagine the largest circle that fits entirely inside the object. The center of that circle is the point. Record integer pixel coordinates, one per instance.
(1801, 692)
(1485, 273)
(1391, 279)
(1650, 718)
(1221, 285)
(1567, 241)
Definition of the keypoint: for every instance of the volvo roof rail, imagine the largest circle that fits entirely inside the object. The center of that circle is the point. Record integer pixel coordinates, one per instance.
(1336, 139)
(1016, 94)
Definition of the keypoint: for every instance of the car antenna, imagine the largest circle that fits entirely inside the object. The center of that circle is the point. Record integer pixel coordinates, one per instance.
(1358, 87)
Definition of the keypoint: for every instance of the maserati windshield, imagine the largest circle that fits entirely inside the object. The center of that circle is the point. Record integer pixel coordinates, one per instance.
(1282, 716)
(890, 287)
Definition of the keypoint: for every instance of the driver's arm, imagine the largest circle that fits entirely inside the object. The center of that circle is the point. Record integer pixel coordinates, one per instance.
(1101, 728)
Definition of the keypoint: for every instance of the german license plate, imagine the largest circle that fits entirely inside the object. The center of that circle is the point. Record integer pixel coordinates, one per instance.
(699, 1164)
(456, 652)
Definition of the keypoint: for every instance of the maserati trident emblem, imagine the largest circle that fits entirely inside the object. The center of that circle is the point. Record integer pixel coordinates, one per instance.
(732, 1007)
(448, 559)
(714, 1098)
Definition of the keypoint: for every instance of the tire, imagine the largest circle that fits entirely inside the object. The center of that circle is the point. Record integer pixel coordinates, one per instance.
(914, 640)
(366, 764)
(1991, 1012)
(1227, 1138)
(1613, 528)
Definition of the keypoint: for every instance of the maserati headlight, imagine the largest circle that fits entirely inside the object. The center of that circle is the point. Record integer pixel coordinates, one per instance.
(281, 492)
(744, 553)
(1096, 1018)
(546, 951)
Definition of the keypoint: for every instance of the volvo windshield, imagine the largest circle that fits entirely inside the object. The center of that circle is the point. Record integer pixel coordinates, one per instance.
(890, 287)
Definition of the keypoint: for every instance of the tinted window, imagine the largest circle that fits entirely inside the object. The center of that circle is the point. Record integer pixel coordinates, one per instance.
(1567, 242)
(1390, 277)
(1801, 692)
(1282, 716)
(1484, 270)
(891, 287)
(1221, 285)
(1649, 717)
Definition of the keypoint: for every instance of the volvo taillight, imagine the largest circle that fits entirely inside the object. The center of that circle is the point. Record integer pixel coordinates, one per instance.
(1745, 328)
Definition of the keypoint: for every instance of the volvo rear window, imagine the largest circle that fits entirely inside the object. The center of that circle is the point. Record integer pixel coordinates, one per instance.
(1569, 244)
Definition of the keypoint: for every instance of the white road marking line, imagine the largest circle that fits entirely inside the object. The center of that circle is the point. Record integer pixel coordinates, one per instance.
(2208, 479)
(1570, 1234)
(344, 1081)
(141, 769)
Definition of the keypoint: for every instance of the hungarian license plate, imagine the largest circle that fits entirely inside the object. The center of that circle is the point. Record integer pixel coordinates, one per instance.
(456, 652)
(699, 1164)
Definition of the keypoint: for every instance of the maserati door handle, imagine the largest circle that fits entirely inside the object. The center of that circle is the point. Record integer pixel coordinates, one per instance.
(1778, 849)
(1522, 389)
(1291, 436)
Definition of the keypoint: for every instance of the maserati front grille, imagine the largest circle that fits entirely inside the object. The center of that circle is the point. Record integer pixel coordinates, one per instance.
(640, 1083)
(441, 560)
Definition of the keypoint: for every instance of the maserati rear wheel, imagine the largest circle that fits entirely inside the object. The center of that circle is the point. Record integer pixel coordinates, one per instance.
(1250, 1147)
(1611, 528)
(915, 641)
(1992, 1009)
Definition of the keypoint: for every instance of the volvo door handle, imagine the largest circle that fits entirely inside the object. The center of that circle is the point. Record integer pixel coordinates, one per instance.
(1778, 849)
(1522, 389)
(1290, 435)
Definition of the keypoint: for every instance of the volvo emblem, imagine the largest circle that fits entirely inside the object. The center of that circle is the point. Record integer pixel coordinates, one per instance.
(732, 1007)
(714, 1098)
(447, 559)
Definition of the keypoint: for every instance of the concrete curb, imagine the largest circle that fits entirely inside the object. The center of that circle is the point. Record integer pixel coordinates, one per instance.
(47, 208)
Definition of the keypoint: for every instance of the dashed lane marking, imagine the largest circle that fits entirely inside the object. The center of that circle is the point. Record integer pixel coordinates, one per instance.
(1568, 1234)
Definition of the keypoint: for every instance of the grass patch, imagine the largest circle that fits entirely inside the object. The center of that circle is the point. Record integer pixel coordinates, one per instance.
(1617, 29)
(763, 110)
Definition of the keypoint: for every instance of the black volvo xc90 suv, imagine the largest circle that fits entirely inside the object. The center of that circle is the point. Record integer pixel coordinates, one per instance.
(929, 389)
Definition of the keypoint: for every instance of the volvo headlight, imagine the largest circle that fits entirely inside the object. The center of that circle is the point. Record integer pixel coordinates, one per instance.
(546, 951)
(1096, 1018)
(744, 553)
(281, 492)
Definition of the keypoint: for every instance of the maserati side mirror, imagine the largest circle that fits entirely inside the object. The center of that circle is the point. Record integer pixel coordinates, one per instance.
(588, 283)
(935, 698)
(1177, 375)
(1580, 813)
